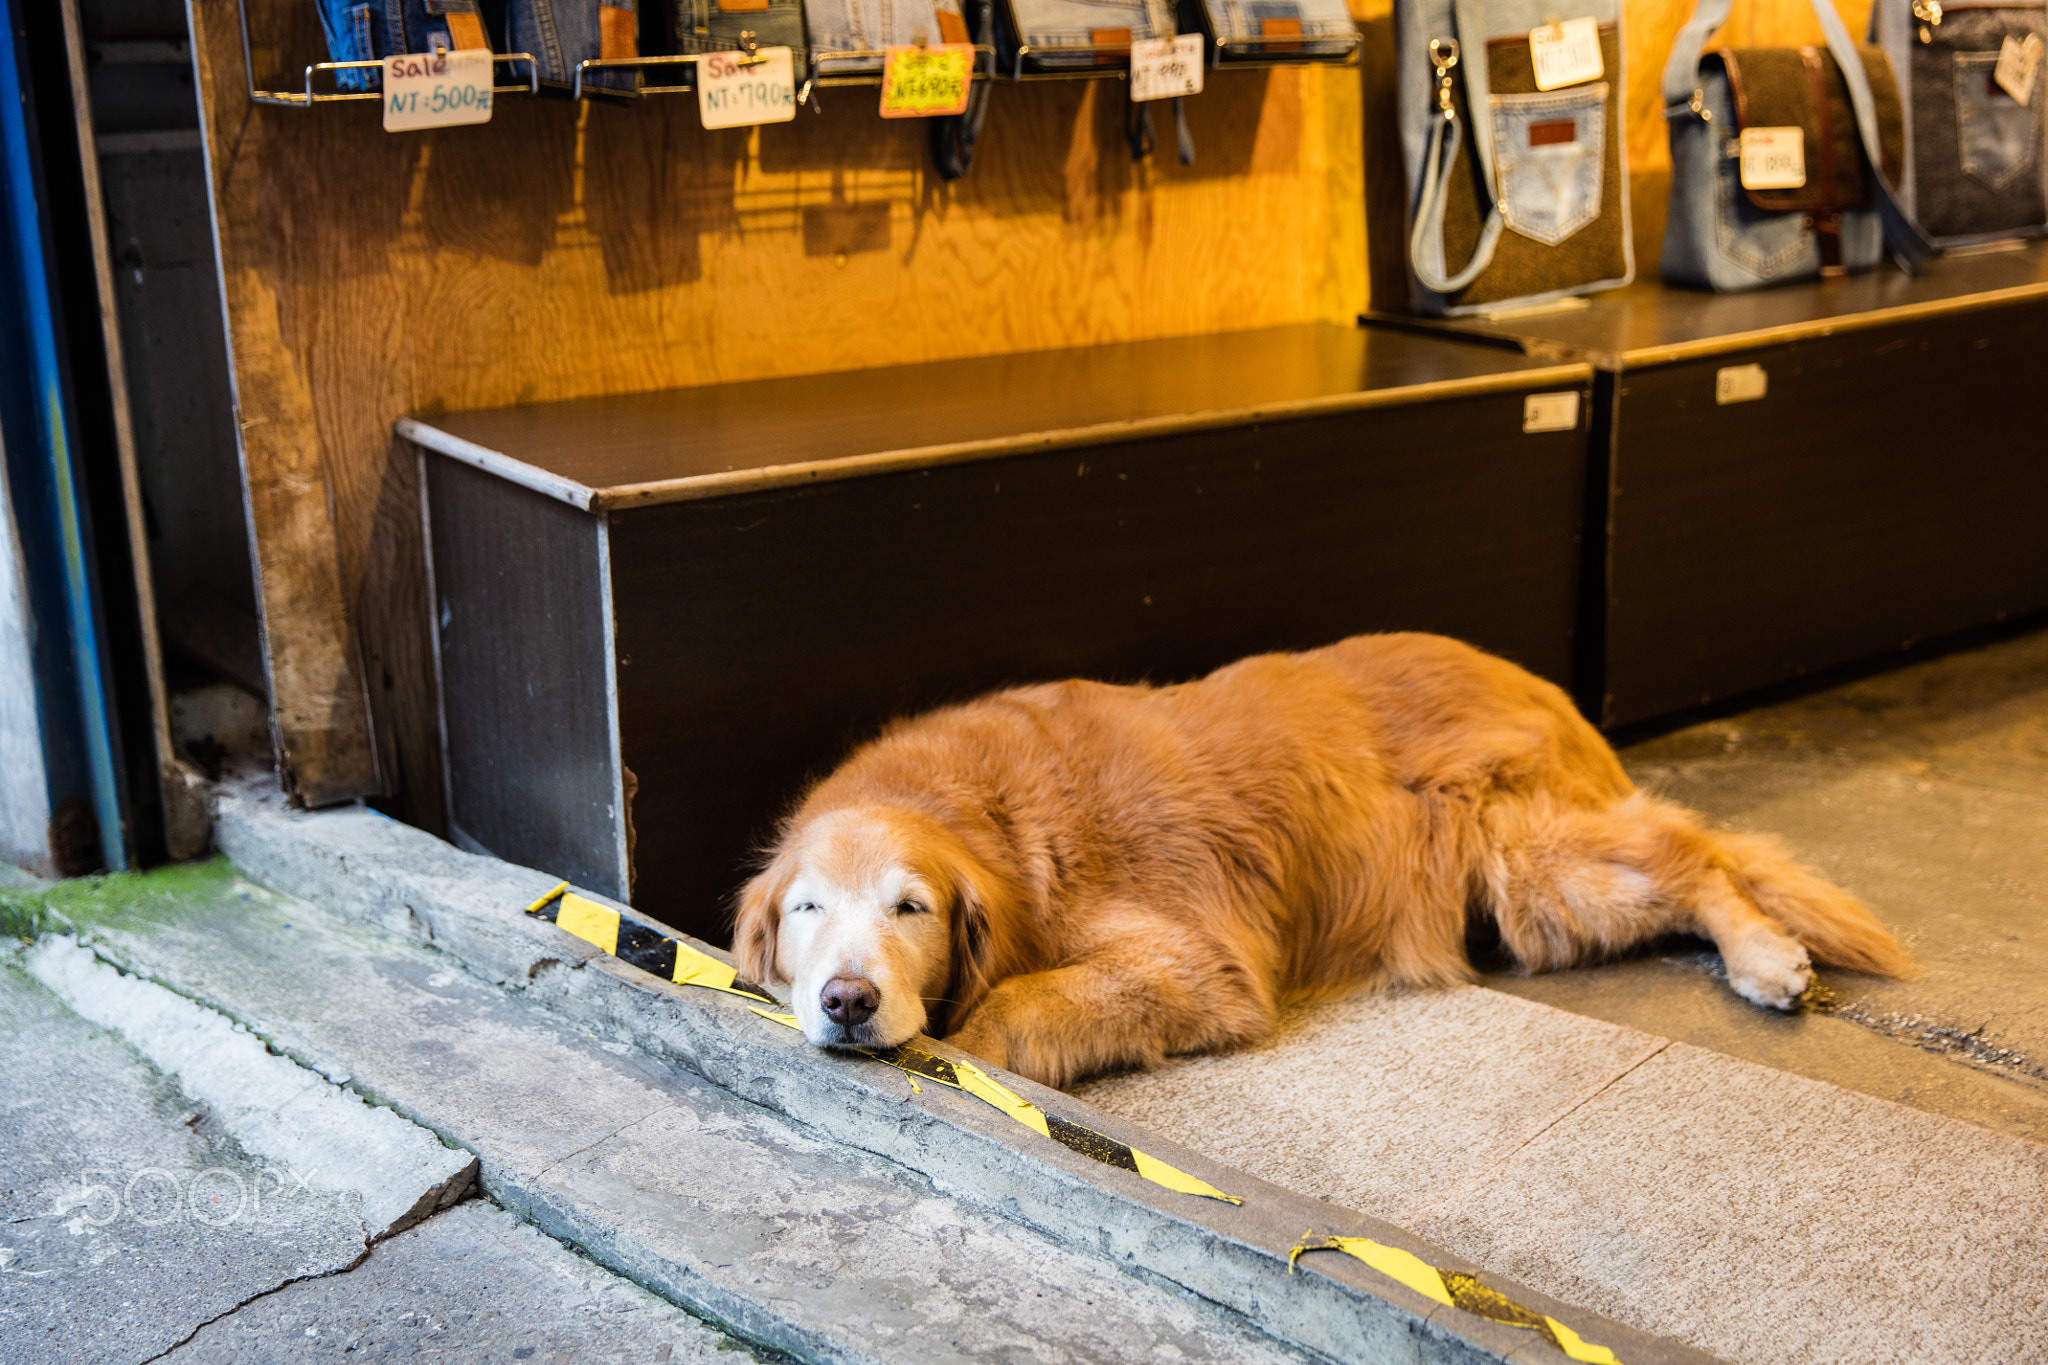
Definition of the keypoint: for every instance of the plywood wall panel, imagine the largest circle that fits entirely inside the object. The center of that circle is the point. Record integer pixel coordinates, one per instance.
(566, 251)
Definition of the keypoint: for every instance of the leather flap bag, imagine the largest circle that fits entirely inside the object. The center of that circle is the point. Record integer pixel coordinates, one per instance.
(1782, 159)
(1801, 87)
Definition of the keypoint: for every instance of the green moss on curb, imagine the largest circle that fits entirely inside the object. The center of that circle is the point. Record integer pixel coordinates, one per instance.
(129, 900)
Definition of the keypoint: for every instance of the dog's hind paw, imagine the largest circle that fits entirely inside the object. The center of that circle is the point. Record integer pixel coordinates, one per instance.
(1769, 969)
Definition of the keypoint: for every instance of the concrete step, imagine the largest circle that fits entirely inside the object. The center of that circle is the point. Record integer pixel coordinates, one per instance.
(243, 1209)
(394, 1172)
(474, 1283)
(129, 1216)
(374, 871)
(795, 1242)
(1756, 1214)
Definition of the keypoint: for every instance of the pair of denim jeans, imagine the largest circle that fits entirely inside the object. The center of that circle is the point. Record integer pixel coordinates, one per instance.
(836, 26)
(560, 34)
(366, 30)
(1272, 30)
(730, 25)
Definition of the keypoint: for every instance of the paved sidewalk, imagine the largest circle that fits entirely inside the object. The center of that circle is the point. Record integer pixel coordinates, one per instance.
(1925, 791)
(472, 1284)
(797, 1243)
(1751, 1213)
(1863, 1180)
(128, 1216)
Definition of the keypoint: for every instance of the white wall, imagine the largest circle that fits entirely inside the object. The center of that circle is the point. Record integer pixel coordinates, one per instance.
(24, 784)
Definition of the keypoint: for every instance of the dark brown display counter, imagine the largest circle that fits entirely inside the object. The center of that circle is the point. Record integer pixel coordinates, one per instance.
(657, 615)
(1888, 486)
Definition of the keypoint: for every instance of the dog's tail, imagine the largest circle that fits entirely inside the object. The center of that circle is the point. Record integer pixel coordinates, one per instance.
(1829, 923)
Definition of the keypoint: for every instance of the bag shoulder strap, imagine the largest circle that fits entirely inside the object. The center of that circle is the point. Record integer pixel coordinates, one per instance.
(1909, 246)
(1464, 54)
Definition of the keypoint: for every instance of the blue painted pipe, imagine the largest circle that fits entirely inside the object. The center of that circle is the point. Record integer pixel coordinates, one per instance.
(33, 333)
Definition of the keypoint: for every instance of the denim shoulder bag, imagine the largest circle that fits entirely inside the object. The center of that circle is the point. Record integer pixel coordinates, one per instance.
(1974, 169)
(1517, 195)
(1821, 131)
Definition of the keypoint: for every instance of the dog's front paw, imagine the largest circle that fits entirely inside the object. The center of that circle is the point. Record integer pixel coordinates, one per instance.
(984, 1038)
(1769, 969)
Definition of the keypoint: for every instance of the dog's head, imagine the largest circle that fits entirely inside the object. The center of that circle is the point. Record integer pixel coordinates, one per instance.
(878, 918)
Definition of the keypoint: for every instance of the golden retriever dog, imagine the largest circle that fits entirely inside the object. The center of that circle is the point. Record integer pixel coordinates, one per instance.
(1076, 877)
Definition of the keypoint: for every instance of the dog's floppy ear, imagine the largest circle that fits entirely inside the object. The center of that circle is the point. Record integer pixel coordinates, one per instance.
(982, 910)
(757, 924)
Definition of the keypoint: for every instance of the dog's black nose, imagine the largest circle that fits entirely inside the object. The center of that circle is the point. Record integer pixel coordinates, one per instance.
(850, 1000)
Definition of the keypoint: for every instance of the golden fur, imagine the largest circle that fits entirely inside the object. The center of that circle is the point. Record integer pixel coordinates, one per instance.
(1076, 877)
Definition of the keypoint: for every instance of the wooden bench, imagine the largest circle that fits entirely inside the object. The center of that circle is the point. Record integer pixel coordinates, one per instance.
(1889, 485)
(657, 615)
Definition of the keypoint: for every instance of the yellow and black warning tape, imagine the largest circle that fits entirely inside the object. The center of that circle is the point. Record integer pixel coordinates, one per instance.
(1072, 1136)
(648, 949)
(1455, 1289)
(672, 960)
(655, 952)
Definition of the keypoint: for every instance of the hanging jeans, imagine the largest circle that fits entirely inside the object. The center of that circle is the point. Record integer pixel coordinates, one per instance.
(365, 30)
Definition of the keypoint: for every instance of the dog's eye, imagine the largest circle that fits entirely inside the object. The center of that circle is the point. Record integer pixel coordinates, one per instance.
(810, 907)
(910, 908)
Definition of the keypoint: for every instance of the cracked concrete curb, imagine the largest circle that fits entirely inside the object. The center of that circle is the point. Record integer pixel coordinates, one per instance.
(409, 883)
(396, 1172)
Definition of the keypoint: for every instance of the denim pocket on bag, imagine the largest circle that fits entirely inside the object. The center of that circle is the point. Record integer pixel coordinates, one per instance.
(1549, 152)
(1994, 131)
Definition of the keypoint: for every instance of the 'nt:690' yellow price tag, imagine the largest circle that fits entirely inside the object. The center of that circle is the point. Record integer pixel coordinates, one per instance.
(922, 82)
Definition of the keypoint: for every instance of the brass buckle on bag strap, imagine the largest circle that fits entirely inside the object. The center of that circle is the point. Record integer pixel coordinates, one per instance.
(1928, 12)
(1443, 55)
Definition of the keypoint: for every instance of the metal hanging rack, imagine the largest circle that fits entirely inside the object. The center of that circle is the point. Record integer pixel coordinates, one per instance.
(1348, 56)
(307, 98)
(818, 78)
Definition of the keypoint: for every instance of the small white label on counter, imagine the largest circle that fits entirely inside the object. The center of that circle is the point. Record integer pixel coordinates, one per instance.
(1773, 158)
(1551, 412)
(1166, 68)
(2017, 63)
(437, 89)
(1566, 53)
(1740, 384)
(735, 90)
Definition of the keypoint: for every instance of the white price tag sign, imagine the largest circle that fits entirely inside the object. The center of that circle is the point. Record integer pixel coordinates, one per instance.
(2017, 63)
(1740, 384)
(1550, 412)
(1773, 158)
(437, 89)
(735, 90)
(1566, 53)
(1166, 68)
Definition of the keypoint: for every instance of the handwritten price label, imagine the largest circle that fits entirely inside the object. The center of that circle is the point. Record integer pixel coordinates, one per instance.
(1566, 54)
(2017, 62)
(437, 89)
(1773, 158)
(922, 82)
(1166, 68)
(734, 91)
